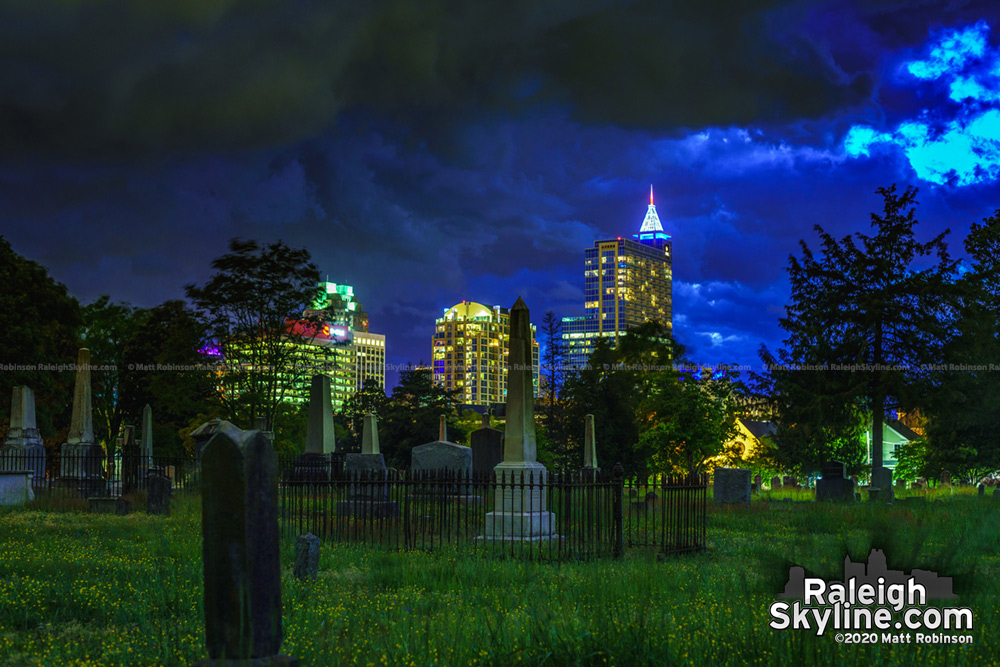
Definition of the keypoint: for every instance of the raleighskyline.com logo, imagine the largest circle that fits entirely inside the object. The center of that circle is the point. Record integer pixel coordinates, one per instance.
(873, 605)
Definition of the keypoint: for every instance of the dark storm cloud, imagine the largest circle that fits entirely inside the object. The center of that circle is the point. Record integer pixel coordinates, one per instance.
(119, 77)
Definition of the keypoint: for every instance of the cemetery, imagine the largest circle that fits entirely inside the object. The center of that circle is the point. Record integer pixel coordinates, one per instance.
(238, 557)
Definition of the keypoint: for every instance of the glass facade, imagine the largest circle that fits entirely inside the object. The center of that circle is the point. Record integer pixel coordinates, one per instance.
(469, 352)
(626, 282)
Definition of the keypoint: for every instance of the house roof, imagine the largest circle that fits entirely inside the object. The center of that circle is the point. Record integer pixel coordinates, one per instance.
(902, 429)
(759, 429)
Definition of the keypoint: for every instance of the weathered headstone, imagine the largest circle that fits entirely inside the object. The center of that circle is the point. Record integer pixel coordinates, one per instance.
(880, 488)
(775, 483)
(158, 500)
(945, 477)
(209, 429)
(240, 551)
(589, 469)
(732, 486)
(81, 460)
(789, 482)
(306, 556)
(15, 487)
(982, 489)
(757, 480)
(316, 463)
(486, 444)
(521, 510)
(441, 455)
(833, 486)
(23, 448)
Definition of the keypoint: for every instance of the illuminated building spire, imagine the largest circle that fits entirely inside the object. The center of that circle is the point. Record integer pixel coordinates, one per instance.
(651, 223)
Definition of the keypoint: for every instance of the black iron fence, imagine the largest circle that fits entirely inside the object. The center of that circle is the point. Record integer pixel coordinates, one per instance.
(91, 474)
(550, 516)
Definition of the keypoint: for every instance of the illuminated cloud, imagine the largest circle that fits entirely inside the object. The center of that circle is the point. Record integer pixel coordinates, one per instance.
(962, 148)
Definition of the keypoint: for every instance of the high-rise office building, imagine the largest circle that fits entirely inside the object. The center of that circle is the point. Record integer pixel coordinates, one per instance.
(627, 282)
(344, 349)
(469, 352)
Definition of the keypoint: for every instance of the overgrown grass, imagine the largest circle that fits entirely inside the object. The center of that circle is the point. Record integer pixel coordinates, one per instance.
(79, 589)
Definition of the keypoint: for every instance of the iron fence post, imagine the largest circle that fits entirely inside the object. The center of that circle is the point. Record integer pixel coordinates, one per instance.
(618, 475)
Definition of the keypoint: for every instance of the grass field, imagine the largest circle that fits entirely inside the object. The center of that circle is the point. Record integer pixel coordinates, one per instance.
(79, 589)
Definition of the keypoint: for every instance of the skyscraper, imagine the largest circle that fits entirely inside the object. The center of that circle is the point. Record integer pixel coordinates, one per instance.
(344, 349)
(626, 283)
(469, 351)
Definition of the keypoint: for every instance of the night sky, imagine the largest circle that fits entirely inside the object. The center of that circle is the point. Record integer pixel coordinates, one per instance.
(429, 152)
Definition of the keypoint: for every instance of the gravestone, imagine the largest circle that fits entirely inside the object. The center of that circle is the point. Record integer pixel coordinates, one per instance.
(789, 482)
(880, 488)
(109, 505)
(757, 480)
(209, 429)
(520, 503)
(945, 477)
(306, 556)
(15, 487)
(833, 486)
(486, 444)
(732, 486)
(241, 551)
(589, 469)
(368, 487)
(160, 489)
(982, 489)
(775, 483)
(81, 462)
(316, 463)
(22, 447)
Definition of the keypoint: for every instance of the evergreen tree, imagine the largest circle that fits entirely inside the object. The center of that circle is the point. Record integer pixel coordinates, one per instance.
(863, 319)
(412, 415)
(964, 404)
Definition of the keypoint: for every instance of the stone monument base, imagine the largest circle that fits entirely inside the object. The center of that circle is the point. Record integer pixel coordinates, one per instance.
(880, 489)
(84, 487)
(312, 467)
(15, 487)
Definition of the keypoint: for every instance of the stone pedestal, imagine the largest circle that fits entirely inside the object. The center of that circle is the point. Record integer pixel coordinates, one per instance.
(880, 489)
(521, 507)
(367, 489)
(22, 447)
(15, 487)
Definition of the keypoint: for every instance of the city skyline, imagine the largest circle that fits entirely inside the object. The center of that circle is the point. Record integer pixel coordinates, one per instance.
(434, 167)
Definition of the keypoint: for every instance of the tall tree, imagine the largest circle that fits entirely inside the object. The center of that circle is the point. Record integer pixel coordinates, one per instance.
(863, 319)
(964, 405)
(412, 414)
(552, 370)
(255, 307)
(39, 333)
(687, 418)
(164, 367)
(108, 329)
